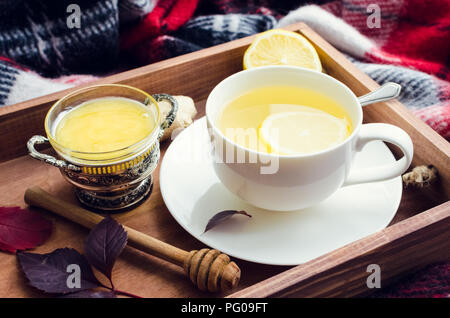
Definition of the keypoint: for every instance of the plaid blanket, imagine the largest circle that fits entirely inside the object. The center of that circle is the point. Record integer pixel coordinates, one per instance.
(406, 41)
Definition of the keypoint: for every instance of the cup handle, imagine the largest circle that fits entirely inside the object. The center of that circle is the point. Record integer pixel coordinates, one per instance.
(167, 122)
(387, 133)
(37, 140)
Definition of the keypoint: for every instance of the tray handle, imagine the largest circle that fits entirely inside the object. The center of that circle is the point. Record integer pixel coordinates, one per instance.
(167, 122)
(37, 140)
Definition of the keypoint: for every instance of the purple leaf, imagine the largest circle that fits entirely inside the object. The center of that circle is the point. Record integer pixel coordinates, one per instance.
(91, 294)
(104, 244)
(51, 273)
(222, 216)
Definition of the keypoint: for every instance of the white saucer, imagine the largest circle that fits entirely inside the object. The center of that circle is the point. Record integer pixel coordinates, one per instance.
(193, 194)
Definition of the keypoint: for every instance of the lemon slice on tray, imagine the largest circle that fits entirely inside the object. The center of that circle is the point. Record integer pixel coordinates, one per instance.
(281, 47)
(301, 132)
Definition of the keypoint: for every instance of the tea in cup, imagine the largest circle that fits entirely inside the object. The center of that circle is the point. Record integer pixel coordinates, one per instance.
(107, 141)
(285, 120)
(284, 137)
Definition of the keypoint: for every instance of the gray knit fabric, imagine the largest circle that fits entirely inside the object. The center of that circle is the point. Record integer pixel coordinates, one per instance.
(418, 88)
(216, 29)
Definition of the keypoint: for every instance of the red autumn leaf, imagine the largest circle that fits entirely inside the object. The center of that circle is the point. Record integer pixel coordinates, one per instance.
(21, 229)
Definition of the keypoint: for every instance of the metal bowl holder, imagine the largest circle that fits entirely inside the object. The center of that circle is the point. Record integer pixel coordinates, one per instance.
(116, 186)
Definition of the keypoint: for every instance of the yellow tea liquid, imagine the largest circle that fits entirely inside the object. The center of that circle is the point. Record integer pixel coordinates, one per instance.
(104, 124)
(285, 120)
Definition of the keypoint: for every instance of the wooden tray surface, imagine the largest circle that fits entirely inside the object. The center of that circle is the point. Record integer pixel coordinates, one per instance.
(418, 235)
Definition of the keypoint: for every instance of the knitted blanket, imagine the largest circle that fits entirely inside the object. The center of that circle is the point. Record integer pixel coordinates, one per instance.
(407, 42)
(46, 46)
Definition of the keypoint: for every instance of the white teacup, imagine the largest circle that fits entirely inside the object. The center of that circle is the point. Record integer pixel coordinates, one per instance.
(291, 182)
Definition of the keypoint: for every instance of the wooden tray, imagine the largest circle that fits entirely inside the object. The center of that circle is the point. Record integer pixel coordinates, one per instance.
(418, 235)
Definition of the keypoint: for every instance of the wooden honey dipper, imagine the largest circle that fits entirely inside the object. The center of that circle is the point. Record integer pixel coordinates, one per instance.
(207, 268)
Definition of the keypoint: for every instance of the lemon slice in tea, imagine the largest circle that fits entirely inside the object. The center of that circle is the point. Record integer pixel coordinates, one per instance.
(302, 132)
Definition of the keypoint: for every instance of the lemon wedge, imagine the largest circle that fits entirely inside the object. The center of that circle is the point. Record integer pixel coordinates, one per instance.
(281, 47)
(302, 132)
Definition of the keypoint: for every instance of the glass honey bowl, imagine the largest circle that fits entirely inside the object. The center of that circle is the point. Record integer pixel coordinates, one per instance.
(116, 179)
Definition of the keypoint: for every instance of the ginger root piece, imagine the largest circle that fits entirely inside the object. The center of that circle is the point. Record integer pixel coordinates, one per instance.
(185, 114)
(420, 176)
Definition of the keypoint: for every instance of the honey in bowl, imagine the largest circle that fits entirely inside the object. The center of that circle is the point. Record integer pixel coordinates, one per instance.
(104, 125)
(285, 120)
